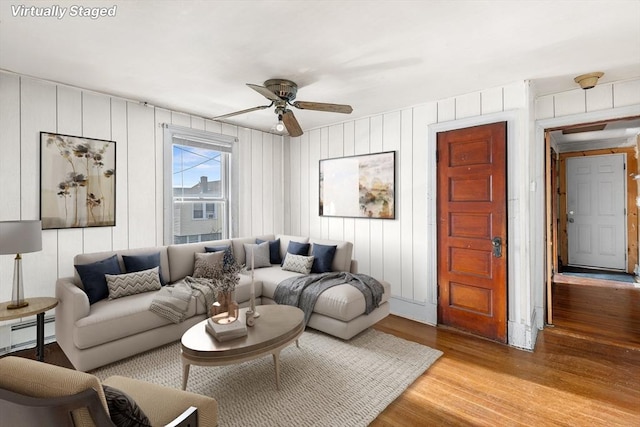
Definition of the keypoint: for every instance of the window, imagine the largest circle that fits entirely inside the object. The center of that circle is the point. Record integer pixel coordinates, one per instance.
(197, 186)
(204, 211)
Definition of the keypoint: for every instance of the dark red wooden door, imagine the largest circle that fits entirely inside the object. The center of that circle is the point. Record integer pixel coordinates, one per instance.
(472, 230)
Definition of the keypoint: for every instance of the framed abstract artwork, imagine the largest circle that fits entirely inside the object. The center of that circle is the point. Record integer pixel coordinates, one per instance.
(360, 186)
(77, 181)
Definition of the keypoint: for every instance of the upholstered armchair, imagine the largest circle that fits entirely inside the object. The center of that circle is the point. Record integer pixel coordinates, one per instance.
(34, 393)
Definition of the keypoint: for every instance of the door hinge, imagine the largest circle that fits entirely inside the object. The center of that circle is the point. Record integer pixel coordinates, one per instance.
(437, 156)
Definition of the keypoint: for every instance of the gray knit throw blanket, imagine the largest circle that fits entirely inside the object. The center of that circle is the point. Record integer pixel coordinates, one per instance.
(303, 291)
(172, 301)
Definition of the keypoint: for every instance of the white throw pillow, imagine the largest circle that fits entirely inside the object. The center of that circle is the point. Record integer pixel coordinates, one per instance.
(260, 254)
(298, 263)
(122, 285)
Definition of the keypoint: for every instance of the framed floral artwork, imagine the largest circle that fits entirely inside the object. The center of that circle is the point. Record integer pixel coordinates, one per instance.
(358, 186)
(77, 181)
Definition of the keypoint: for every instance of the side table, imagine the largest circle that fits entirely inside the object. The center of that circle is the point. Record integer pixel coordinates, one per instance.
(36, 306)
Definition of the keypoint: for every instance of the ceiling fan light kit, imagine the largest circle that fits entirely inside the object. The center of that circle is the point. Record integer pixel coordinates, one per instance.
(587, 81)
(281, 93)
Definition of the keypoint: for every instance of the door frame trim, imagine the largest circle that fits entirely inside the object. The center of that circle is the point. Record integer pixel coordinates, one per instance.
(541, 126)
(517, 182)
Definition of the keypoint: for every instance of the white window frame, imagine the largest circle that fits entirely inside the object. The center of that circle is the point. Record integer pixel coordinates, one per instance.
(202, 139)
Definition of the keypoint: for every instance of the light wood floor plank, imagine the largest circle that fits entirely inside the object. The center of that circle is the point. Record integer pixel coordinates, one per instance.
(567, 381)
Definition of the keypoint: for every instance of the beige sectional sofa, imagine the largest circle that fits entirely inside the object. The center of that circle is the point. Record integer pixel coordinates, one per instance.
(93, 335)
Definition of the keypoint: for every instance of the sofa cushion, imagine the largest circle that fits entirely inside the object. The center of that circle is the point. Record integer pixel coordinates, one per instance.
(341, 302)
(123, 410)
(181, 258)
(257, 255)
(93, 278)
(122, 285)
(274, 251)
(206, 264)
(110, 320)
(298, 263)
(133, 263)
(270, 277)
(322, 257)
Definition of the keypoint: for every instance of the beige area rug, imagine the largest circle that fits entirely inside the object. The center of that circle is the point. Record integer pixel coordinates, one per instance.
(325, 382)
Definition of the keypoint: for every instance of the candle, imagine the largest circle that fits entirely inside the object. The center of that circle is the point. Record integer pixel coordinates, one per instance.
(253, 289)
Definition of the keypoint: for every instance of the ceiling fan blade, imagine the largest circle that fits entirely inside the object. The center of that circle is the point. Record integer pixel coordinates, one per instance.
(248, 110)
(265, 92)
(291, 123)
(321, 106)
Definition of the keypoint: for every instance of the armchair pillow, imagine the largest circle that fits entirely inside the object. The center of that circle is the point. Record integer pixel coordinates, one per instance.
(123, 410)
(93, 277)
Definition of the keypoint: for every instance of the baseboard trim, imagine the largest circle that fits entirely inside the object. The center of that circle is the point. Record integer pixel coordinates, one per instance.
(409, 309)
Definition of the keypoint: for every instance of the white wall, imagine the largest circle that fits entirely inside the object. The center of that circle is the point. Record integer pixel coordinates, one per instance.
(403, 251)
(28, 106)
(278, 182)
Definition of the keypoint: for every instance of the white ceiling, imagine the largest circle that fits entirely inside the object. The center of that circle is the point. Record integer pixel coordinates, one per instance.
(196, 56)
(615, 134)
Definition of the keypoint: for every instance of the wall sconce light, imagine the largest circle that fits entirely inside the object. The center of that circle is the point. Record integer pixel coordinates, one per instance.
(587, 81)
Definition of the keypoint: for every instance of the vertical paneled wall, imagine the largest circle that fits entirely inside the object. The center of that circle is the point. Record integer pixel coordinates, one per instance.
(394, 250)
(29, 106)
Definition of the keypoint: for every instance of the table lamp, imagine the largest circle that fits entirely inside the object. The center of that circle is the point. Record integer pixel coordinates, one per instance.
(19, 237)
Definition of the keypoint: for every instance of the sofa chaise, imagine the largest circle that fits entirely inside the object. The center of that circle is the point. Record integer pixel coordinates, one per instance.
(95, 334)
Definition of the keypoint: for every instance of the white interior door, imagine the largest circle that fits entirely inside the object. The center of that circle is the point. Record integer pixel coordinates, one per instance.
(596, 211)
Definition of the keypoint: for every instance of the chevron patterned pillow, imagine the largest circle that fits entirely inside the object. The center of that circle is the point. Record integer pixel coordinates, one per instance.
(122, 285)
(298, 263)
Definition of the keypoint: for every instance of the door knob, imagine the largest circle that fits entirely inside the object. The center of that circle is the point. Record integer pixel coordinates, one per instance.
(496, 242)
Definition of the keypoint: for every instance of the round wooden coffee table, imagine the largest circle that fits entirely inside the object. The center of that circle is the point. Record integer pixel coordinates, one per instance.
(276, 328)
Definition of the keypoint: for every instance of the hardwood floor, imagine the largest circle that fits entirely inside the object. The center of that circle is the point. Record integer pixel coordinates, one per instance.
(606, 311)
(567, 381)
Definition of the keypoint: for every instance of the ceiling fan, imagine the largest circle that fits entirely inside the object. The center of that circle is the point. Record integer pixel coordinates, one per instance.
(282, 93)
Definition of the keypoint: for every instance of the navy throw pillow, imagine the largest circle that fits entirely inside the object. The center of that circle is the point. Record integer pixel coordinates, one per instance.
(274, 250)
(123, 410)
(297, 248)
(133, 263)
(323, 258)
(228, 258)
(93, 277)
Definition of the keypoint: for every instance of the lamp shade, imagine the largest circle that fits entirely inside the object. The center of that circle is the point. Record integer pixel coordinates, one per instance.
(19, 237)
